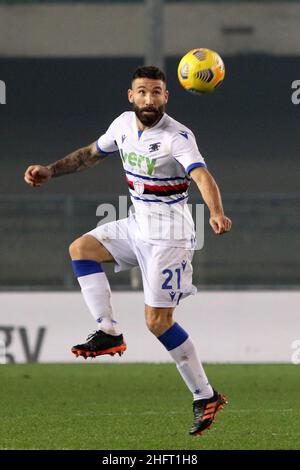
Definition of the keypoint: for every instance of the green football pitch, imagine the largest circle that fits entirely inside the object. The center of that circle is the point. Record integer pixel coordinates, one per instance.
(145, 406)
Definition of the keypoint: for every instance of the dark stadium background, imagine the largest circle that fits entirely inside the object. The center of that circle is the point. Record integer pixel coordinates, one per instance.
(248, 131)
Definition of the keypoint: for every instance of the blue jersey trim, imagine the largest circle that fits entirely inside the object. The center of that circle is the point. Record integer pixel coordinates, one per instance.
(158, 179)
(195, 165)
(173, 337)
(140, 133)
(83, 267)
(159, 200)
(102, 151)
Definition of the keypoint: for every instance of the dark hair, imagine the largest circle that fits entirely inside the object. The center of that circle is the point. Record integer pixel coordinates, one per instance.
(149, 71)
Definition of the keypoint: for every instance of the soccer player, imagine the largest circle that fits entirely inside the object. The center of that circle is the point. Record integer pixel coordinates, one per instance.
(160, 157)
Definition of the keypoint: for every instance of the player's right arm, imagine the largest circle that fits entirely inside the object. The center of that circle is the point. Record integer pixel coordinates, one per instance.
(79, 160)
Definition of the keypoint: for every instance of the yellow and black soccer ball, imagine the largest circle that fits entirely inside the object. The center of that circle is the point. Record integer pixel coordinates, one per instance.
(201, 71)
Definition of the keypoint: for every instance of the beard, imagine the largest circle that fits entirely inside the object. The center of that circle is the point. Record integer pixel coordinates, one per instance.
(151, 118)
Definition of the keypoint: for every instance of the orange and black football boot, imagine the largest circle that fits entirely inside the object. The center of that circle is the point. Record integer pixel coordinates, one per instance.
(205, 411)
(100, 343)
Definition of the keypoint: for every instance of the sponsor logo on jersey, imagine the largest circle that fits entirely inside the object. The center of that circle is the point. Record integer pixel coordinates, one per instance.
(145, 163)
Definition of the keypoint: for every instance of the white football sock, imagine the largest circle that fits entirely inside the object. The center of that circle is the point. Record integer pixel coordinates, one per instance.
(191, 370)
(97, 295)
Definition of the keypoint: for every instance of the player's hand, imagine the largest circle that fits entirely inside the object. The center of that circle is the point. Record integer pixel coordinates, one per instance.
(220, 224)
(36, 175)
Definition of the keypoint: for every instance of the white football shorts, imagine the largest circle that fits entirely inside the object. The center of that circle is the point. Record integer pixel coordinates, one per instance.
(166, 271)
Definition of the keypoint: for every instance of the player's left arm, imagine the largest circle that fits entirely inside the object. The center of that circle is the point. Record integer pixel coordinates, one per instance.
(212, 197)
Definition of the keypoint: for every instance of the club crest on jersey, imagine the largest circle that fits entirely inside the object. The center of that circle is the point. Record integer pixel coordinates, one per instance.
(138, 187)
(154, 147)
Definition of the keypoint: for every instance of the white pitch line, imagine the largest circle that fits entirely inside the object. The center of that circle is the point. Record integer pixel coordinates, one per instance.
(153, 413)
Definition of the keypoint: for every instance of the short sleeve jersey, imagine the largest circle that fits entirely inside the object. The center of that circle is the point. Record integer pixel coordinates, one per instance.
(157, 163)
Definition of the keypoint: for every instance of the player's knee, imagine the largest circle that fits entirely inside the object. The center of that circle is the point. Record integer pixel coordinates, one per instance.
(158, 324)
(152, 324)
(78, 248)
(87, 247)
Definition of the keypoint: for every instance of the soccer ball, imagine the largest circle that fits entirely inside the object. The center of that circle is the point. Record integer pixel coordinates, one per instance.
(201, 71)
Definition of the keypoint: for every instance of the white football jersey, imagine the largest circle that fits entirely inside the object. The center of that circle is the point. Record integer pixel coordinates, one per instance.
(157, 163)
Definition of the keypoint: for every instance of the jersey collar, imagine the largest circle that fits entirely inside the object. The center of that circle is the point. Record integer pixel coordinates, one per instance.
(156, 126)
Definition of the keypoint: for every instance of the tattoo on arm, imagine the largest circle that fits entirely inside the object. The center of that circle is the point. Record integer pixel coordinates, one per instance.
(76, 161)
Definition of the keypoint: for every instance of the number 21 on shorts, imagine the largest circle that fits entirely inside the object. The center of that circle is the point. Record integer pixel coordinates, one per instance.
(173, 277)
